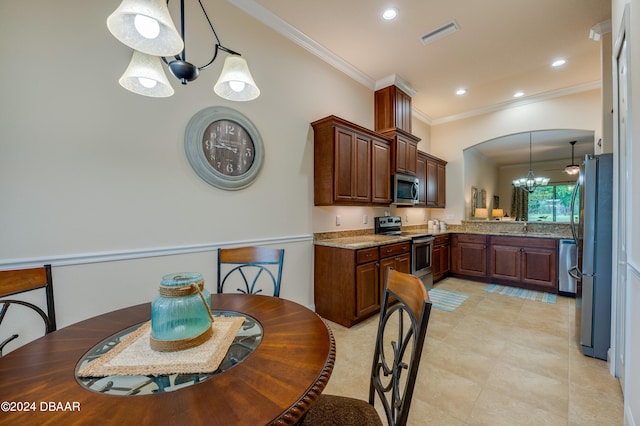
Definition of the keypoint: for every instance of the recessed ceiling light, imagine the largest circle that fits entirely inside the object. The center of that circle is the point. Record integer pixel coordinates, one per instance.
(518, 94)
(461, 91)
(390, 13)
(559, 62)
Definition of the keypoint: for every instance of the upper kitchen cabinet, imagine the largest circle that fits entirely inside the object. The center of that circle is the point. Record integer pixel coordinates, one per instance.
(392, 110)
(404, 151)
(352, 165)
(432, 175)
(393, 119)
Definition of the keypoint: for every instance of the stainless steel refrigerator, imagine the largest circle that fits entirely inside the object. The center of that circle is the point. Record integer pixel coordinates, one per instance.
(592, 268)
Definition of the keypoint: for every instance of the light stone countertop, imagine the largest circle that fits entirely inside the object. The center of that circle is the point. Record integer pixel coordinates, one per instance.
(361, 239)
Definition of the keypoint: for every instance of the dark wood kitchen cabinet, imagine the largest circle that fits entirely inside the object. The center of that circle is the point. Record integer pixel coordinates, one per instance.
(469, 255)
(393, 119)
(421, 172)
(380, 172)
(525, 262)
(404, 151)
(348, 284)
(396, 256)
(352, 165)
(431, 172)
(392, 109)
(435, 182)
(441, 259)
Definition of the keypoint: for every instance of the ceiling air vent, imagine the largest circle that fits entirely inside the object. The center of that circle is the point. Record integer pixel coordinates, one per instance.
(445, 30)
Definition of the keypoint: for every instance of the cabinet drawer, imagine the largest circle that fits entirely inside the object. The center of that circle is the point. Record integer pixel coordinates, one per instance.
(367, 255)
(524, 241)
(441, 239)
(395, 249)
(470, 238)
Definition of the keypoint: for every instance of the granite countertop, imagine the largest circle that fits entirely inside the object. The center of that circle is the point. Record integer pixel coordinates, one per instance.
(359, 240)
(362, 241)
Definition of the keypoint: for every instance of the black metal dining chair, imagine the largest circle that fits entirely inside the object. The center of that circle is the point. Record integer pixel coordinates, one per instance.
(401, 333)
(19, 281)
(251, 270)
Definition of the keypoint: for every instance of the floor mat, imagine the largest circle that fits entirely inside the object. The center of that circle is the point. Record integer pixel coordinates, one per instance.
(521, 293)
(446, 300)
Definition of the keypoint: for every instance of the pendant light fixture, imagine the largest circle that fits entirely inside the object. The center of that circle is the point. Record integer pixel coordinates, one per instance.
(572, 169)
(530, 182)
(146, 27)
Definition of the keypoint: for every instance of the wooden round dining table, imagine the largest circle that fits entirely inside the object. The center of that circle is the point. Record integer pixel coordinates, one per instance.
(275, 384)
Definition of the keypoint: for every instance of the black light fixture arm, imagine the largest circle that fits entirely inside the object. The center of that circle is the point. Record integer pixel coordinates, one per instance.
(184, 70)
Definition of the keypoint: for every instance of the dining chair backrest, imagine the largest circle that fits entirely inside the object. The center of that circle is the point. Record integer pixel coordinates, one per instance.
(19, 281)
(402, 327)
(250, 270)
(398, 350)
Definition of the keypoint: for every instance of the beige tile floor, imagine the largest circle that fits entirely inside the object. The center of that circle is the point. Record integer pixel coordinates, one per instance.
(496, 360)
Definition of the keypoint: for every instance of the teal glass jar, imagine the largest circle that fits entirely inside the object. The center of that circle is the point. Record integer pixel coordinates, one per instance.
(181, 313)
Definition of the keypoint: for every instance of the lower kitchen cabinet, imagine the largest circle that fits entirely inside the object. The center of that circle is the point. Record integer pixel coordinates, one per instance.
(348, 284)
(441, 259)
(525, 262)
(469, 255)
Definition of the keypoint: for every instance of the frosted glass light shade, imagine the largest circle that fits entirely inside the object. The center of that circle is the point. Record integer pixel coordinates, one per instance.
(235, 82)
(145, 76)
(122, 24)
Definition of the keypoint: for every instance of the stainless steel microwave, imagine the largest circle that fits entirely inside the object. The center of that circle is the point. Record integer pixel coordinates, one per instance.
(405, 190)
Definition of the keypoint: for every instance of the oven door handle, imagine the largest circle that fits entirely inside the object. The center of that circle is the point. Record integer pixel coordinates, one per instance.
(422, 240)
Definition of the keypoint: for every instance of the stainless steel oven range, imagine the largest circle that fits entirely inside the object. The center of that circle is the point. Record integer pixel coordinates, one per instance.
(421, 246)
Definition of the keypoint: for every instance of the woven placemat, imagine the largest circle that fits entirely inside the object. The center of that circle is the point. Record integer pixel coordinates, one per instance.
(134, 357)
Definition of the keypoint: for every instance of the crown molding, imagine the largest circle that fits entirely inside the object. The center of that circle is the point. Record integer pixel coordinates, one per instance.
(395, 80)
(274, 22)
(520, 102)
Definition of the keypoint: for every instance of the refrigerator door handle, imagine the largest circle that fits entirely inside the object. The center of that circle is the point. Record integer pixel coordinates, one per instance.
(573, 208)
(575, 273)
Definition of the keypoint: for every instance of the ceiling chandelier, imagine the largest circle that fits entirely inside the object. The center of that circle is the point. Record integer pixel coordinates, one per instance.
(147, 28)
(572, 169)
(530, 182)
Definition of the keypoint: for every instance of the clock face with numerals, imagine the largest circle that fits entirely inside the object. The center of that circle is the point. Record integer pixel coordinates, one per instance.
(228, 147)
(224, 148)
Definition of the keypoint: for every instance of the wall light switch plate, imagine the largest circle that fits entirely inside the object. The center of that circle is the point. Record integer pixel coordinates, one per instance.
(338, 220)
(365, 219)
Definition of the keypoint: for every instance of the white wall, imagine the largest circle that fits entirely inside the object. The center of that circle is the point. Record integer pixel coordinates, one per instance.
(481, 173)
(576, 111)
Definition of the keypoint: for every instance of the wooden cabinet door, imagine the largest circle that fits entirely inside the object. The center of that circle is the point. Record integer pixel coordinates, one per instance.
(367, 289)
(436, 261)
(381, 173)
(472, 259)
(385, 264)
(540, 267)
(352, 155)
(421, 173)
(445, 259)
(403, 263)
(432, 183)
(361, 168)
(441, 191)
(406, 155)
(505, 262)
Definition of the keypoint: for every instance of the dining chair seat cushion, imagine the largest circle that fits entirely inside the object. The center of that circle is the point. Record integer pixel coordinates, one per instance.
(333, 410)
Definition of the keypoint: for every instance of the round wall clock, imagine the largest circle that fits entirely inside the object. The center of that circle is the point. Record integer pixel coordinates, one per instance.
(224, 147)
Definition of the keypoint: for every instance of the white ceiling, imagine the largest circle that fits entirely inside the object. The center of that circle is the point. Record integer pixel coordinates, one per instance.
(502, 46)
